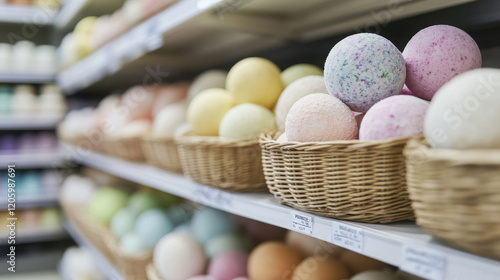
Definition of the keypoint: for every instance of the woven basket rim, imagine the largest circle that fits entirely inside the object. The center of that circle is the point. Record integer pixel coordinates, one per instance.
(152, 137)
(188, 139)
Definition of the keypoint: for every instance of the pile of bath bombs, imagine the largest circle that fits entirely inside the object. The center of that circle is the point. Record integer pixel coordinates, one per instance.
(23, 100)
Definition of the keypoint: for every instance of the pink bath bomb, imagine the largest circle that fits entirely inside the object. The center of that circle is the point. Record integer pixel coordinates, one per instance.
(320, 117)
(435, 55)
(394, 117)
(241, 278)
(169, 94)
(139, 102)
(229, 266)
(202, 277)
(406, 91)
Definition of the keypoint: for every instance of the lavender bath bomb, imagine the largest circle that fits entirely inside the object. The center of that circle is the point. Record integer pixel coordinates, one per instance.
(394, 117)
(435, 55)
(363, 69)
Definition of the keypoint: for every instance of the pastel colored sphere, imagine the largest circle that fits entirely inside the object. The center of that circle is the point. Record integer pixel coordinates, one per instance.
(168, 95)
(272, 261)
(208, 223)
(152, 225)
(229, 265)
(320, 117)
(321, 269)
(297, 71)
(464, 112)
(246, 121)
(123, 222)
(225, 243)
(394, 117)
(358, 263)
(208, 79)
(295, 91)
(202, 277)
(363, 69)
(139, 102)
(132, 244)
(435, 55)
(255, 80)
(105, 203)
(141, 201)
(178, 256)
(309, 246)
(206, 110)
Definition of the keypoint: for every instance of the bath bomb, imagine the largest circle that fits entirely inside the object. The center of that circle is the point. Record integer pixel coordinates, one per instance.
(77, 189)
(135, 128)
(23, 54)
(141, 201)
(229, 266)
(83, 36)
(246, 121)
(272, 261)
(169, 119)
(178, 256)
(152, 225)
(207, 109)
(183, 228)
(168, 95)
(139, 101)
(464, 112)
(179, 214)
(363, 69)
(394, 117)
(309, 246)
(28, 142)
(123, 222)
(105, 203)
(132, 11)
(295, 72)
(24, 100)
(51, 100)
(321, 268)
(295, 91)
(226, 243)
(320, 117)
(5, 99)
(8, 144)
(208, 79)
(358, 263)
(208, 223)
(132, 244)
(435, 55)
(282, 138)
(375, 275)
(202, 277)
(255, 80)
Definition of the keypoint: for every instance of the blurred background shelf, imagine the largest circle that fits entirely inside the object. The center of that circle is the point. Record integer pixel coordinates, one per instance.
(25, 14)
(35, 201)
(26, 76)
(25, 236)
(383, 242)
(32, 160)
(29, 122)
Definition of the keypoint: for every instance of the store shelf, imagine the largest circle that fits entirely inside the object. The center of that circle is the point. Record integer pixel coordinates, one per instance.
(26, 76)
(38, 201)
(75, 10)
(382, 242)
(26, 14)
(32, 160)
(104, 264)
(195, 34)
(29, 122)
(25, 236)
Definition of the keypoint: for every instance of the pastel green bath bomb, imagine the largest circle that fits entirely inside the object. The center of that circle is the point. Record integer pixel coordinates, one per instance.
(132, 244)
(123, 222)
(247, 121)
(207, 109)
(142, 201)
(255, 80)
(105, 203)
(298, 71)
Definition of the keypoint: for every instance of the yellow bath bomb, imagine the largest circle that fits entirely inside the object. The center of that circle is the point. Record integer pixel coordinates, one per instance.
(298, 71)
(207, 109)
(246, 121)
(255, 80)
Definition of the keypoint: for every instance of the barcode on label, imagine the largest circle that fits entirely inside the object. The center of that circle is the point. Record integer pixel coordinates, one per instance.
(423, 262)
(347, 236)
(302, 223)
(212, 197)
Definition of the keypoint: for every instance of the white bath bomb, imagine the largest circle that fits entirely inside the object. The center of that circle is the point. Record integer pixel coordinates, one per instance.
(295, 72)
(295, 91)
(394, 117)
(78, 190)
(255, 80)
(178, 256)
(169, 119)
(464, 112)
(207, 109)
(282, 138)
(135, 128)
(208, 79)
(375, 275)
(320, 117)
(246, 121)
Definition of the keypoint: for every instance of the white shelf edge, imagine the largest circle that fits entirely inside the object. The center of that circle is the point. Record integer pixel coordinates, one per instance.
(24, 122)
(32, 160)
(36, 235)
(38, 201)
(26, 14)
(382, 242)
(26, 76)
(67, 12)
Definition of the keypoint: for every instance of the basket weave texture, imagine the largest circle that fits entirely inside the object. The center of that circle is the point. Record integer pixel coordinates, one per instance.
(233, 165)
(456, 195)
(360, 181)
(128, 148)
(162, 152)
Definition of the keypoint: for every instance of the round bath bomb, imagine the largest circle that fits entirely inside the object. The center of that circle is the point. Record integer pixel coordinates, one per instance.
(77, 189)
(208, 79)
(295, 72)
(320, 117)
(464, 112)
(363, 69)
(295, 91)
(282, 138)
(208, 223)
(375, 275)
(255, 80)
(105, 203)
(435, 55)
(272, 261)
(309, 246)
(226, 243)
(123, 222)
(152, 225)
(202, 277)
(139, 101)
(132, 244)
(178, 256)
(169, 119)
(135, 128)
(169, 94)
(358, 263)
(246, 121)
(207, 109)
(141, 201)
(24, 100)
(321, 269)
(394, 117)
(229, 266)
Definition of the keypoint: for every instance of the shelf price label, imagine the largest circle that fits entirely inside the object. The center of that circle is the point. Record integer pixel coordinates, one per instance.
(424, 263)
(347, 236)
(212, 197)
(302, 223)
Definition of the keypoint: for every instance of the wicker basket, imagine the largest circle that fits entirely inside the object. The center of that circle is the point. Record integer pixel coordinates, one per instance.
(162, 152)
(360, 181)
(233, 165)
(131, 267)
(128, 148)
(456, 195)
